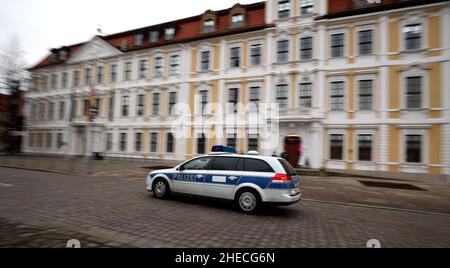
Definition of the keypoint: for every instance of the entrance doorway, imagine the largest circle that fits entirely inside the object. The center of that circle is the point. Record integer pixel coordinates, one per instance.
(292, 146)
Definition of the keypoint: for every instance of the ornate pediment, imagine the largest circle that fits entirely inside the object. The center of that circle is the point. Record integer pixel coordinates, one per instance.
(95, 49)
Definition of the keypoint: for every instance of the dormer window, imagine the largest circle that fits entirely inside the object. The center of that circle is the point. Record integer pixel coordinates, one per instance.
(154, 37)
(237, 21)
(62, 55)
(169, 34)
(284, 8)
(209, 26)
(139, 39)
(306, 6)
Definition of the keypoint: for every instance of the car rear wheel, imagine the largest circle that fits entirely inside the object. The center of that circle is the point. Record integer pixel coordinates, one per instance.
(248, 201)
(161, 189)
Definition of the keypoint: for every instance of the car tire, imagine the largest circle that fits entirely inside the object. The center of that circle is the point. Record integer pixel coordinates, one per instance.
(161, 189)
(248, 201)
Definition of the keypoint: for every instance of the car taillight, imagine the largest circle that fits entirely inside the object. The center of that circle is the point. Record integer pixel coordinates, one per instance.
(281, 178)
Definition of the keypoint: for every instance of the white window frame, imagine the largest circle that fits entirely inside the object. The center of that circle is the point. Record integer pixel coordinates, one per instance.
(155, 56)
(205, 47)
(414, 18)
(356, 145)
(241, 60)
(158, 147)
(423, 89)
(424, 146)
(342, 132)
(289, 9)
(176, 54)
(330, 34)
(160, 92)
(374, 79)
(250, 46)
(374, 39)
(345, 81)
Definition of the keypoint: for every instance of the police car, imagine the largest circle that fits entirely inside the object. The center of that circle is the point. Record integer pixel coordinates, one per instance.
(249, 180)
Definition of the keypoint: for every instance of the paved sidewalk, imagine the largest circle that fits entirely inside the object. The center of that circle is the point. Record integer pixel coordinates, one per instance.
(431, 197)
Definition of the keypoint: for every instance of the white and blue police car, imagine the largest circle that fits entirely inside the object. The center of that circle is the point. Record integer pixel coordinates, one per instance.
(249, 180)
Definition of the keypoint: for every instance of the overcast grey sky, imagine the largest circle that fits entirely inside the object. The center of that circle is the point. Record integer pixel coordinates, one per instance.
(43, 24)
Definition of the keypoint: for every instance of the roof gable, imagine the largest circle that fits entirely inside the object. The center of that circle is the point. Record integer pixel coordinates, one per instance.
(97, 48)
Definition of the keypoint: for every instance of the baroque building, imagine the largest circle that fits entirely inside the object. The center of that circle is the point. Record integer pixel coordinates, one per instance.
(361, 85)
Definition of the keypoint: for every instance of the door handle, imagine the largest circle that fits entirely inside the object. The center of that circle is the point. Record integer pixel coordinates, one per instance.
(233, 178)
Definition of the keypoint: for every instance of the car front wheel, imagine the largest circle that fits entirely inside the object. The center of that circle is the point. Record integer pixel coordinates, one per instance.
(161, 189)
(248, 201)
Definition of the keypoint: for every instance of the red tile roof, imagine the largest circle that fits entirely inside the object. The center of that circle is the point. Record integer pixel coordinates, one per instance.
(188, 29)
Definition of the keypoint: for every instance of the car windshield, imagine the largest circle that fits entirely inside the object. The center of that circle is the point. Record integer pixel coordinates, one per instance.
(287, 167)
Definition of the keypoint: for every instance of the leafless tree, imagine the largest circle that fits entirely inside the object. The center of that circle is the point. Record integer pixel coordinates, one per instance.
(12, 65)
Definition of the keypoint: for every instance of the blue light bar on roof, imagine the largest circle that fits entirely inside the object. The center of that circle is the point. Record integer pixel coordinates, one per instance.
(223, 149)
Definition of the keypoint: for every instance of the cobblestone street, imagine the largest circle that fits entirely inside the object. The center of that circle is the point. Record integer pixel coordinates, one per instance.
(118, 212)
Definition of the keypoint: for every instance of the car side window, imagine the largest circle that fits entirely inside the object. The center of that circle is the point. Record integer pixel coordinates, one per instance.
(197, 164)
(224, 163)
(255, 165)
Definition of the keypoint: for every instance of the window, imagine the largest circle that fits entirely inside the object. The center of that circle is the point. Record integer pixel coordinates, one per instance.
(282, 96)
(205, 55)
(414, 148)
(49, 140)
(413, 92)
(365, 95)
(111, 107)
(140, 106)
(87, 77)
(306, 6)
(198, 164)
(59, 140)
(232, 140)
(54, 81)
(255, 165)
(86, 107)
(138, 142)
(170, 143)
(125, 105)
(139, 40)
(237, 21)
(203, 100)
(62, 110)
(172, 102)
(413, 36)
(224, 163)
(154, 142)
(255, 98)
(99, 74)
(233, 96)
(127, 71)
(123, 142)
(337, 96)
(306, 47)
(235, 57)
(158, 66)
(365, 42)
(143, 67)
(336, 147)
(252, 142)
(39, 140)
(174, 64)
(109, 142)
(365, 3)
(41, 111)
(209, 26)
(31, 140)
(113, 73)
(201, 144)
(51, 109)
(169, 34)
(283, 51)
(365, 147)
(44, 82)
(154, 37)
(284, 8)
(305, 95)
(337, 45)
(64, 80)
(155, 107)
(255, 55)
